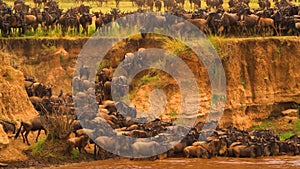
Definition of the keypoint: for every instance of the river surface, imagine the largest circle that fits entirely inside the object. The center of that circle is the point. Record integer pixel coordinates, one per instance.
(194, 163)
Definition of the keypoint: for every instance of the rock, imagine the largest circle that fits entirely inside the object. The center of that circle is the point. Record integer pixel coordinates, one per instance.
(291, 112)
(4, 141)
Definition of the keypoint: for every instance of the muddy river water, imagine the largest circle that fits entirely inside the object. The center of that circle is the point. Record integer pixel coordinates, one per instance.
(194, 163)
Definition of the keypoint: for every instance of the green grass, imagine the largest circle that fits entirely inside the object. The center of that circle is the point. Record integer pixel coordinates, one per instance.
(263, 126)
(146, 79)
(243, 84)
(103, 64)
(146, 95)
(174, 46)
(285, 135)
(37, 147)
(75, 153)
(173, 112)
(296, 127)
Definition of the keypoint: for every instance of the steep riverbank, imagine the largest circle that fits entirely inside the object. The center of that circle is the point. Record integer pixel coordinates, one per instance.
(262, 73)
(263, 78)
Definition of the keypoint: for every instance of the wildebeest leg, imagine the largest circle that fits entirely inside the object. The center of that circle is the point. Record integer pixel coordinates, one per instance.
(275, 30)
(39, 132)
(22, 133)
(26, 136)
(95, 151)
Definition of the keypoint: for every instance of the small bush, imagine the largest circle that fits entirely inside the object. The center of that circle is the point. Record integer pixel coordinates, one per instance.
(37, 147)
(75, 153)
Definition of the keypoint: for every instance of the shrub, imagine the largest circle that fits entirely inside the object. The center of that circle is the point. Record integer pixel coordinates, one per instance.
(38, 146)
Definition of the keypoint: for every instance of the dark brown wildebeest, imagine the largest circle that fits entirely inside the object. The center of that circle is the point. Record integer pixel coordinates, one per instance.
(180, 2)
(214, 21)
(197, 4)
(15, 21)
(150, 4)
(157, 4)
(38, 3)
(48, 21)
(41, 90)
(107, 90)
(21, 6)
(31, 125)
(263, 4)
(67, 21)
(168, 4)
(214, 3)
(85, 21)
(84, 9)
(8, 126)
(98, 21)
(229, 22)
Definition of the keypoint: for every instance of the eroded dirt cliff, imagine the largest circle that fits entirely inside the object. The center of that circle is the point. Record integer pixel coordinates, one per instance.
(262, 74)
(14, 102)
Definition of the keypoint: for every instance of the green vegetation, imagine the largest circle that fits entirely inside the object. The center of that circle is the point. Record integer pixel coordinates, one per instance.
(174, 46)
(263, 126)
(103, 64)
(279, 50)
(146, 95)
(285, 136)
(284, 132)
(244, 84)
(173, 112)
(75, 153)
(37, 147)
(146, 79)
(296, 127)
(61, 58)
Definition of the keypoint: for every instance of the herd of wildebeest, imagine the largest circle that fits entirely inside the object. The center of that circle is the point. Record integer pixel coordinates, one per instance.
(98, 120)
(238, 20)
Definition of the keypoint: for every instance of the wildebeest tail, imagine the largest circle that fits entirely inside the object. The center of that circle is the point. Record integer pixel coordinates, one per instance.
(19, 130)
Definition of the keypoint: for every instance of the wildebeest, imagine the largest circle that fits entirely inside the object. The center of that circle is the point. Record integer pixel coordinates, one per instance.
(48, 21)
(265, 24)
(229, 22)
(98, 22)
(21, 6)
(41, 90)
(31, 22)
(13, 21)
(8, 126)
(264, 4)
(214, 3)
(78, 142)
(85, 20)
(32, 125)
(158, 5)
